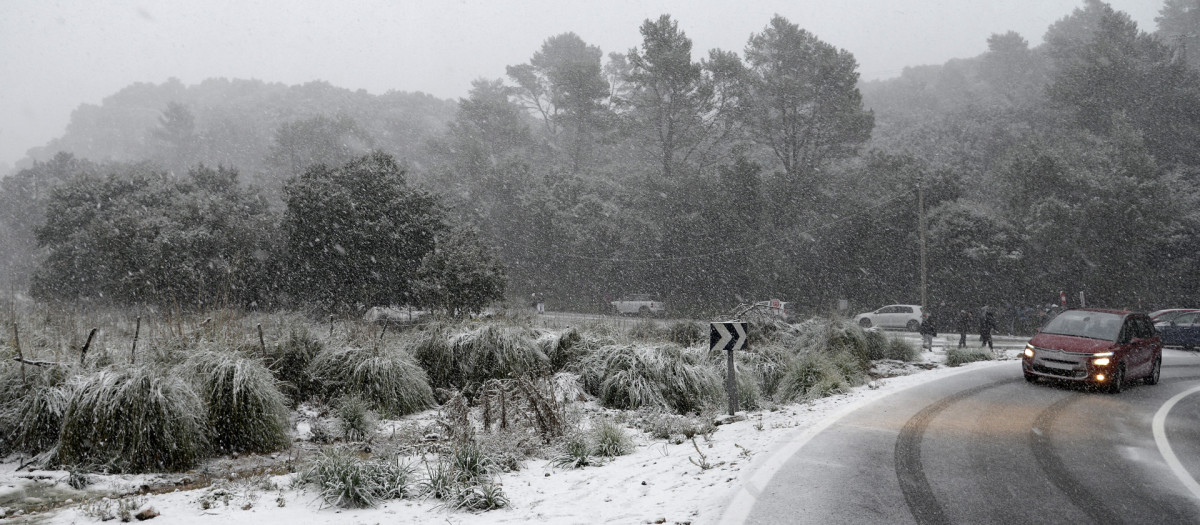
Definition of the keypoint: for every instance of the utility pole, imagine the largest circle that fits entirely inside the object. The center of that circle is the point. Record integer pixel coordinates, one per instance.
(921, 233)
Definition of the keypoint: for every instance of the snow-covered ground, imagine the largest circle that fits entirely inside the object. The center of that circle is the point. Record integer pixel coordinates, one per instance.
(660, 482)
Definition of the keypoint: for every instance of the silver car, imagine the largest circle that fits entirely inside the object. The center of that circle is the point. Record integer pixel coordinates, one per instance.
(896, 316)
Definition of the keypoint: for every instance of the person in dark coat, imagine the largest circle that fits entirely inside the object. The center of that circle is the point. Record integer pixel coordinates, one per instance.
(928, 331)
(964, 326)
(987, 324)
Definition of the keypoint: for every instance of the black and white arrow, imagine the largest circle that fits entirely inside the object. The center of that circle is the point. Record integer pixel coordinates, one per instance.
(727, 336)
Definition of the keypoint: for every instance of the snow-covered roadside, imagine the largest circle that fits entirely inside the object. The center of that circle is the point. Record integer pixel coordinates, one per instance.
(660, 482)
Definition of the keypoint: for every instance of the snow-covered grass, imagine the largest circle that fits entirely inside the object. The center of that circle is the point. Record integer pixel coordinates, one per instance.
(246, 411)
(133, 418)
(387, 379)
(513, 438)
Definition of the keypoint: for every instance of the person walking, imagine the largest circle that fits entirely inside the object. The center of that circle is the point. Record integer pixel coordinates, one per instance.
(928, 331)
(964, 326)
(987, 323)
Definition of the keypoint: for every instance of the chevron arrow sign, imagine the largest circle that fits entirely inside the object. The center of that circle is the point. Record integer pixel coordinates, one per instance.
(730, 335)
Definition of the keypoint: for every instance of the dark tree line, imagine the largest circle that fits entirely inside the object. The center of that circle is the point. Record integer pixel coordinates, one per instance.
(766, 172)
(349, 237)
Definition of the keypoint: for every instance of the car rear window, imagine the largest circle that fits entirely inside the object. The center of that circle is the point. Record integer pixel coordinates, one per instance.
(1092, 325)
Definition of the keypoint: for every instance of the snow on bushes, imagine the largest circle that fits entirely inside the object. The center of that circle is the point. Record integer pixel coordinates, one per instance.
(246, 412)
(133, 419)
(387, 379)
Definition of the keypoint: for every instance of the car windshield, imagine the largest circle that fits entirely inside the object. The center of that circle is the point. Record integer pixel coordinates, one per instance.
(1093, 325)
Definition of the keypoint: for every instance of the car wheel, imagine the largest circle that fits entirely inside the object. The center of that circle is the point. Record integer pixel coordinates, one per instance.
(1118, 380)
(913, 325)
(1030, 378)
(1152, 379)
(864, 322)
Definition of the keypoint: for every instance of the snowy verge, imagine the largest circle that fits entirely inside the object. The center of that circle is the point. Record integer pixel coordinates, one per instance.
(696, 481)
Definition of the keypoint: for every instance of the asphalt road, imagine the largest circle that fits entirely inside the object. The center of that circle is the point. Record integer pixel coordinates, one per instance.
(984, 446)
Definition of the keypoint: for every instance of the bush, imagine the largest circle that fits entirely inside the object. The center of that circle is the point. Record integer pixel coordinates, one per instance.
(810, 376)
(901, 350)
(959, 356)
(39, 418)
(389, 381)
(133, 419)
(562, 348)
(290, 364)
(488, 352)
(246, 410)
(634, 376)
(687, 333)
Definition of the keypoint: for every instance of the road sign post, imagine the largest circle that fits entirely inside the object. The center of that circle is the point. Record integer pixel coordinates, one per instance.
(731, 337)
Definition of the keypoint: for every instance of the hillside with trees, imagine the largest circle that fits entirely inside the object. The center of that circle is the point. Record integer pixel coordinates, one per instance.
(769, 171)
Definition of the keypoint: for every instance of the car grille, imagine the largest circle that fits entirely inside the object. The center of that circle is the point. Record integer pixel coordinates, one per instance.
(1041, 369)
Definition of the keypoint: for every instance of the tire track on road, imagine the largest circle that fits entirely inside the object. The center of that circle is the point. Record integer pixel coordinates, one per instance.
(910, 472)
(1056, 471)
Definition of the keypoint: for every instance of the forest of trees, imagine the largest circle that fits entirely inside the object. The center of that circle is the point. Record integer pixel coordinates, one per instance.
(770, 171)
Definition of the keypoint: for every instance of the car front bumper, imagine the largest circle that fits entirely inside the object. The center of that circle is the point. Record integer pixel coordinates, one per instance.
(1068, 366)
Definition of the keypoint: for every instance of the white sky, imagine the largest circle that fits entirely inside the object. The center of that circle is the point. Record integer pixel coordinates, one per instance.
(58, 54)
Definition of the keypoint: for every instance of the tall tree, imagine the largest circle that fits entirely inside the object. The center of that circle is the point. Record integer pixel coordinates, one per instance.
(331, 141)
(564, 84)
(356, 234)
(1179, 27)
(670, 101)
(1116, 73)
(801, 102)
(140, 236)
(176, 131)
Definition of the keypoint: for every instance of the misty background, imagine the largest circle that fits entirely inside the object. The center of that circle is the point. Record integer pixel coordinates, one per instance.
(1053, 145)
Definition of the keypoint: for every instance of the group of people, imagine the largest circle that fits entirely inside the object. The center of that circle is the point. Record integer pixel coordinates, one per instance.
(965, 322)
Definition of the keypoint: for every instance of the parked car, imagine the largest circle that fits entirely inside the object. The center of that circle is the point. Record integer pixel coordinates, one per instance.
(1161, 317)
(776, 308)
(1181, 329)
(639, 304)
(1103, 347)
(905, 316)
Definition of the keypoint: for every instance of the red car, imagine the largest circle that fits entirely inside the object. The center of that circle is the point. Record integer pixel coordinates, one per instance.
(1104, 347)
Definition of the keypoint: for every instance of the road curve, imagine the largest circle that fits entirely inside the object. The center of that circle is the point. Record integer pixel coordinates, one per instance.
(984, 446)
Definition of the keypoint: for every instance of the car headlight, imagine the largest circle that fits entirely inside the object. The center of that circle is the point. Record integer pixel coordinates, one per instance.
(1028, 350)
(1101, 361)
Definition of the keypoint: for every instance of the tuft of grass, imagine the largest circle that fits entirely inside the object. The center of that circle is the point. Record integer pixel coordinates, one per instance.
(38, 419)
(133, 419)
(561, 348)
(472, 357)
(901, 350)
(634, 376)
(687, 333)
(811, 375)
(395, 476)
(290, 363)
(576, 453)
(389, 381)
(487, 495)
(357, 422)
(344, 480)
(959, 356)
(611, 440)
(246, 410)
